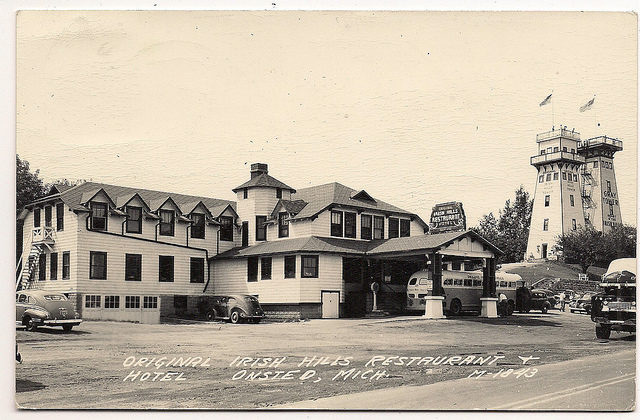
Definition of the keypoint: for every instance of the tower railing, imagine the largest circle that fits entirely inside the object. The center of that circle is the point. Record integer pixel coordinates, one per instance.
(553, 156)
(600, 140)
(561, 132)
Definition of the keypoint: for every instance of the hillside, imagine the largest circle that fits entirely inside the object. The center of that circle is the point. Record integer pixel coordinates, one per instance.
(531, 272)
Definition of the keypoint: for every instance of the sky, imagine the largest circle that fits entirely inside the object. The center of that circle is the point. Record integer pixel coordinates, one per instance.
(416, 108)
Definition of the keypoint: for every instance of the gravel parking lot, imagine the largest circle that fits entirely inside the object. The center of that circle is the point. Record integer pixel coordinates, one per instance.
(125, 365)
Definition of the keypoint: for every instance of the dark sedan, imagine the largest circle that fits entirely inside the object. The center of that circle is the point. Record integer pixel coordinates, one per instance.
(583, 303)
(36, 308)
(234, 308)
(540, 301)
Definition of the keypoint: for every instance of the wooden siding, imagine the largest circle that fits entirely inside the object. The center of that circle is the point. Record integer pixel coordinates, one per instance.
(322, 225)
(237, 234)
(230, 276)
(329, 278)
(65, 241)
(116, 247)
(260, 201)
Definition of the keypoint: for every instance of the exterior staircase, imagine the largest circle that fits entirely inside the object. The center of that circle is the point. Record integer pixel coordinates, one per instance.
(41, 238)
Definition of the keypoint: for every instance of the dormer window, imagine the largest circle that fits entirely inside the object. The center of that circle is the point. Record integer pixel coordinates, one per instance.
(167, 222)
(336, 223)
(283, 225)
(134, 219)
(98, 216)
(226, 230)
(197, 228)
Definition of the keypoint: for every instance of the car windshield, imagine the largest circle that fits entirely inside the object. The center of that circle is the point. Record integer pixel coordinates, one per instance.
(250, 299)
(55, 297)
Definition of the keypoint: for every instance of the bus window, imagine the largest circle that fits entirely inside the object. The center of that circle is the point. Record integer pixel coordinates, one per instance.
(477, 282)
(457, 282)
(511, 284)
(413, 281)
(467, 282)
(422, 295)
(455, 266)
(424, 282)
(503, 284)
(447, 282)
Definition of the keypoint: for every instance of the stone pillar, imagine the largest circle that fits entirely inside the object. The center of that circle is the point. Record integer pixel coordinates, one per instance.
(489, 300)
(433, 302)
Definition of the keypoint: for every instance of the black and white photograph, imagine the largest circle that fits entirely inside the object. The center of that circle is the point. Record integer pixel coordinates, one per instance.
(308, 210)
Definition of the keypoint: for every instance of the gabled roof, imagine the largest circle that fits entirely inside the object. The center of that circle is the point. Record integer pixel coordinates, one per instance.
(378, 248)
(218, 210)
(73, 196)
(123, 200)
(90, 195)
(292, 207)
(263, 180)
(322, 197)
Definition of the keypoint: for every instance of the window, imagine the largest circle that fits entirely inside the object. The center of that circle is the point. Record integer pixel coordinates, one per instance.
(66, 264)
(53, 266)
(573, 224)
(36, 217)
(394, 227)
(564, 175)
(545, 224)
(197, 270)
(575, 178)
(42, 267)
(133, 267)
(547, 199)
(92, 301)
(60, 216)
(283, 225)
(573, 150)
(595, 163)
(548, 177)
(99, 216)
(197, 227)
(555, 176)
(165, 268)
(265, 268)
(571, 200)
(134, 219)
(309, 266)
(556, 149)
(98, 265)
(150, 302)
(543, 152)
(447, 282)
(112, 302)
(336, 223)
(261, 229)
(378, 227)
(132, 302)
(365, 226)
(289, 266)
(405, 228)
(540, 178)
(245, 193)
(47, 216)
(167, 222)
(564, 149)
(610, 210)
(549, 149)
(467, 282)
(252, 269)
(349, 225)
(455, 266)
(278, 192)
(226, 230)
(608, 186)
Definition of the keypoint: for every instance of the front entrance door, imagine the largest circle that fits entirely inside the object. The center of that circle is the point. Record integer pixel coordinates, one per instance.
(245, 233)
(544, 250)
(330, 304)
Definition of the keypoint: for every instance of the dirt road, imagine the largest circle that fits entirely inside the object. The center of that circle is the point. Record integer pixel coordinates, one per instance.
(100, 364)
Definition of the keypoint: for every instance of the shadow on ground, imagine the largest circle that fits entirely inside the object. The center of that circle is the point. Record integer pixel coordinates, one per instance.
(25, 385)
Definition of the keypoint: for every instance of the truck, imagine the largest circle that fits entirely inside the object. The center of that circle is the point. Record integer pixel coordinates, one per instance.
(615, 307)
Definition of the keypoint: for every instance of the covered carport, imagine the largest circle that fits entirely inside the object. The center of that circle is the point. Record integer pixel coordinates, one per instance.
(391, 262)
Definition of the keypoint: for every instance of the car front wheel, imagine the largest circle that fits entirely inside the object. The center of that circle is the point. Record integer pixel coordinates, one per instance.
(67, 328)
(30, 324)
(211, 315)
(455, 308)
(234, 318)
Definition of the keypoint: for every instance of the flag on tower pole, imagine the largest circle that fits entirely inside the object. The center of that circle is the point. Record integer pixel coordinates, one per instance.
(588, 105)
(546, 100)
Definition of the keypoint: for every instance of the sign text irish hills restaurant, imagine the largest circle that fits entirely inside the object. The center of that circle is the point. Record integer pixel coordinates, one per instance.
(447, 217)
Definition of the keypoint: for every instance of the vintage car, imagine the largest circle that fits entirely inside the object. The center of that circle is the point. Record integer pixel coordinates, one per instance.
(615, 307)
(551, 296)
(35, 308)
(539, 301)
(582, 303)
(234, 308)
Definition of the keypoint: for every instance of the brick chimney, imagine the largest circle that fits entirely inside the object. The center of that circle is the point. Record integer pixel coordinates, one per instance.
(258, 169)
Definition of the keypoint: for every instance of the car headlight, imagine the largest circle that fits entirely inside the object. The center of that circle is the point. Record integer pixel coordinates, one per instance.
(633, 303)
(605, 302)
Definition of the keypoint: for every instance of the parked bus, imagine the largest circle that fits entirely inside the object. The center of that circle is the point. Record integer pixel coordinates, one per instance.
(462, 290)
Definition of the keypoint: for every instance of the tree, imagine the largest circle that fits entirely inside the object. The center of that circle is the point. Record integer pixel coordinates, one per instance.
(587, 246)
(29, 186)
(510, 231)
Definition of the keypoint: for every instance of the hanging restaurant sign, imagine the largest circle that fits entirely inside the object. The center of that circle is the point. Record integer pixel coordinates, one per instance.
(447, 217)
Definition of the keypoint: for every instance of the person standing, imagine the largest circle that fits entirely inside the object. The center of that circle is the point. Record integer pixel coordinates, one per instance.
(562, 301)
